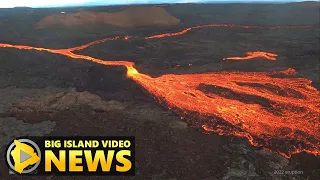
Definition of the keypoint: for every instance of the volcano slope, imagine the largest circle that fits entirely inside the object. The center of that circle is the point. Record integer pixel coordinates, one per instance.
(126, 109)
(128, 17)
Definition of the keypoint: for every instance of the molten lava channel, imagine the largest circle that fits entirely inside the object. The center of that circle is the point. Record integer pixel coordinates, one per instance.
(274, 110)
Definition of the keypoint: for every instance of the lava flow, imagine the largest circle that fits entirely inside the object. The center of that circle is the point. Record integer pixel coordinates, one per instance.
(184, 31)
(269, 111)
(274, 110)
(251, 55)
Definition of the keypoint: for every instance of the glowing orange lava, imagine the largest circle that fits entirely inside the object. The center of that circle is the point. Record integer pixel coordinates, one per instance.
(251, 55)
(184, 31)
(267, 110)
(274, 110)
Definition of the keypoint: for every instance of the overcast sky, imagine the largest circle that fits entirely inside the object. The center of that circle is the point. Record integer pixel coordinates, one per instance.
(59, 3)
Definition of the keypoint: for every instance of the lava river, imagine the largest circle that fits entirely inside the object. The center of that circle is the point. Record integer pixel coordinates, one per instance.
(273, 110)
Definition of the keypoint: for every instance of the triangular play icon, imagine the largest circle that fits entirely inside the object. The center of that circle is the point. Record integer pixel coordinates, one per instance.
(24, 156)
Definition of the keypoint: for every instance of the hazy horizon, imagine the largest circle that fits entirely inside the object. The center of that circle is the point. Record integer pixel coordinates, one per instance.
(70, 3)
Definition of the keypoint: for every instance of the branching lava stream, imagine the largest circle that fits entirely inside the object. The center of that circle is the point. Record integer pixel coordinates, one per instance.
(251, 55)
(274, 110)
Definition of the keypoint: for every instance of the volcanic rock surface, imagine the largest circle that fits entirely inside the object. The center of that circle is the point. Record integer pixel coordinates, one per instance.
(66, 100)
(128, 17)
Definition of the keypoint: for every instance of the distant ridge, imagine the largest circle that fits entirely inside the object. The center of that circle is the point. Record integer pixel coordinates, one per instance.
(136, 16)
(305, 2)
(22, 7)
(166, 3)
(252, 2)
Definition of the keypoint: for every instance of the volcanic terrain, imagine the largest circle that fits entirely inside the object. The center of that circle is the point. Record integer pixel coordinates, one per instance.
(128, 17)
(219, 91)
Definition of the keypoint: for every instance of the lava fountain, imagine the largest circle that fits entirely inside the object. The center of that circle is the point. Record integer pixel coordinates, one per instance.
(274, 110)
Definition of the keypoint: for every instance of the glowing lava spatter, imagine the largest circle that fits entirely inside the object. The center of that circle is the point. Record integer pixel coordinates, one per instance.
(280, 114)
